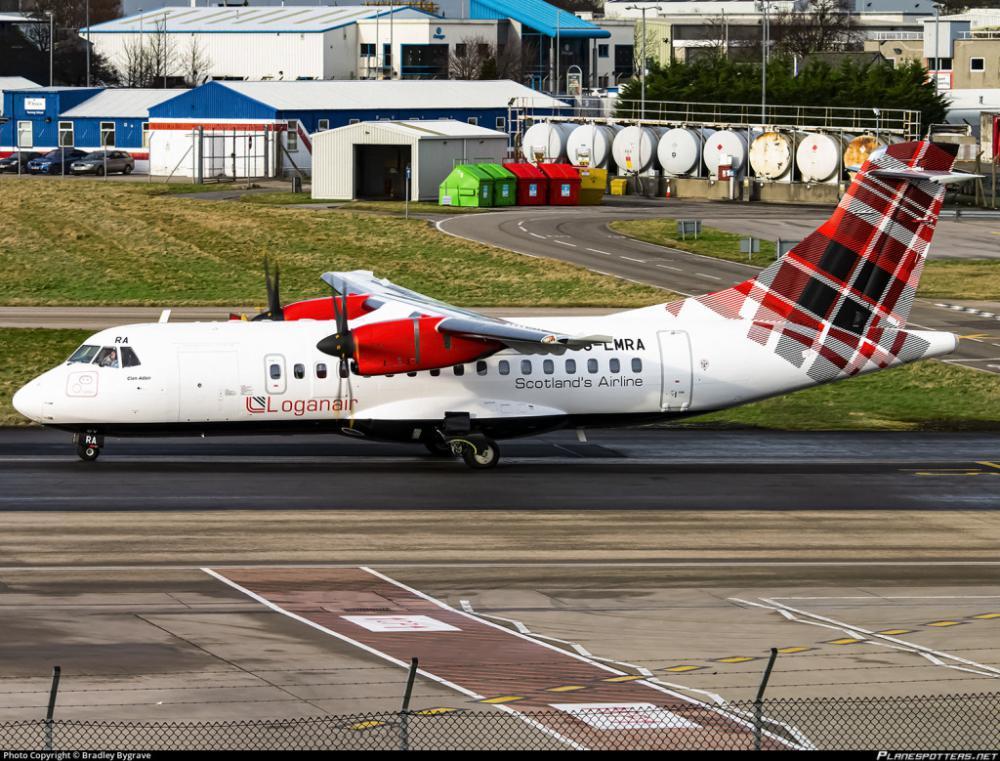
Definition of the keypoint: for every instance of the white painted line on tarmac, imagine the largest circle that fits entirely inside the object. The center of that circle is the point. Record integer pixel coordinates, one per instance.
(385, 656)
(598, 251)
(668, 267)
(537, 235)
(630, 259)
(564, 243)
(708, 277)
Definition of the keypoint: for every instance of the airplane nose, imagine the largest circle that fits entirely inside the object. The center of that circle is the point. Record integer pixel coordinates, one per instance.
(28, 401)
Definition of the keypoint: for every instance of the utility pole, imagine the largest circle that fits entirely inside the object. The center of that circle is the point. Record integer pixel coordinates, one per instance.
(642, 70)
(558, 46)
(52, 42)
(764, 44)
(937, 48)
(88, 43)
(165, 62)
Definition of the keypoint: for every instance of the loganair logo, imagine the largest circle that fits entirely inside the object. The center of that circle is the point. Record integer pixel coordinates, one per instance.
(267, 405)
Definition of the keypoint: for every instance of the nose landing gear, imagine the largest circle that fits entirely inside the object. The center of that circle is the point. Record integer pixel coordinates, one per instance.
(88, 445)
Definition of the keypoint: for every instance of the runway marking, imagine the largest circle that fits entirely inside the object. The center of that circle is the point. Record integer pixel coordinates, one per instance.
(987, 616)
(502, 699)
(598, 251)
(707, 277)
(565, 243)
(936, 657)
(943, 624)
(631, 259)
(736, 659)
(567, 688)
(895, 632)
(683, 668)
(794, 649)
(668, 267)
(844, 641)
(537, 235)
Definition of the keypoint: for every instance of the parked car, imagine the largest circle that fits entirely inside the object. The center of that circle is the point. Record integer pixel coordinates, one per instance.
(100, 162)
(55, 162)
(10, 163)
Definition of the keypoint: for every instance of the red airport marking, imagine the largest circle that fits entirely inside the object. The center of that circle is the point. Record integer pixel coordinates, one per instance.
(491, 664)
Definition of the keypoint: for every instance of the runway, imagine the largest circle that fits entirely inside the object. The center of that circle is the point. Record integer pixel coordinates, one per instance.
(625, 470)
(581, 236)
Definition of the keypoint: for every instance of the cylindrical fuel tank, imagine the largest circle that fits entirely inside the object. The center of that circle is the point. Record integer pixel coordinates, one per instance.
(772, 155)
(545, 142)
(861, 147)
(730, 143)
(591, 144)
(634, 149)
(679, 150)
(819, 157)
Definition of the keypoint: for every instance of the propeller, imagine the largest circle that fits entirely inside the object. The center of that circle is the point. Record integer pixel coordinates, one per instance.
(274, 310)
(341, 343)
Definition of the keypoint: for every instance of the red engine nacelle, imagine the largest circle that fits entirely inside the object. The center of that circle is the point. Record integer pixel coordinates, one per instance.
(401, 346)
(322, 309)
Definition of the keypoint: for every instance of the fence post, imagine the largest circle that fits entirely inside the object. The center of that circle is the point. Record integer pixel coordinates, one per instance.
(404, 712)
(56, 671)
(758, 703)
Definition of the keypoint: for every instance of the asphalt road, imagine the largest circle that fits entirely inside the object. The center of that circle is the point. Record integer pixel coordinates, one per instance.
(581, 236)
(630, 469)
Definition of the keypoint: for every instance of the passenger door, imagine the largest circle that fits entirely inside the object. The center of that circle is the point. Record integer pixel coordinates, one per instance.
(675, 369)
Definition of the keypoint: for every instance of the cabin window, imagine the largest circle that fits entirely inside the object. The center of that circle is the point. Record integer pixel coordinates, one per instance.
(504, 367)
(411, 374)
(591, 366)
(636, 365)
(107, 357)
(321, 370)
(525, 367)
(482, 368)
(85, 354)
(615, 365)
(435, 372)
(548, 367)
(570, 366)
(274, 371)
(460, 369)
(129, 357)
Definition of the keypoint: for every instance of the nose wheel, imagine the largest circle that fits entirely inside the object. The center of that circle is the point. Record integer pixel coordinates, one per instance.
(88, 445)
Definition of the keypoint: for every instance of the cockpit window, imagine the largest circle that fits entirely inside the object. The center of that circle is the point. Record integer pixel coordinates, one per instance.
(107, 357)
(129, 357)
(84, 354)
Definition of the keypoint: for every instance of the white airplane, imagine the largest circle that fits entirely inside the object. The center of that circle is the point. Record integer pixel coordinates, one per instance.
(382, 362)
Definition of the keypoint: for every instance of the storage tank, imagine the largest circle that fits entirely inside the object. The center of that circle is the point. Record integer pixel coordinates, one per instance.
(546, 141)
(861, 147)
(634, 148)
(590, 144)
(819, 157)
(730, 143)
(772, 155)
(679, 150)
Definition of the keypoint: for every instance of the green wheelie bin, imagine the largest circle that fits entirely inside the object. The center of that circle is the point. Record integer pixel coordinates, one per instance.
(504, 184)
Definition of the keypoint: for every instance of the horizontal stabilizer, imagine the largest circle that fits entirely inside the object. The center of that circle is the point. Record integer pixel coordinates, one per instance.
(917, 174)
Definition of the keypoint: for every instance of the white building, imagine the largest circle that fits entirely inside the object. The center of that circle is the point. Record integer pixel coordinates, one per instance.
(370, 159)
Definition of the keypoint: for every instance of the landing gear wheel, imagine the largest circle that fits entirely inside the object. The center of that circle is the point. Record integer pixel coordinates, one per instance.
(481, 454)
(87, 452)
(439, 448)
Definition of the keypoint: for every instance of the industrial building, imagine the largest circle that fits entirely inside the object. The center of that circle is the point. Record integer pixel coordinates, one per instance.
(14, 83)
(370, 159)
(266, 128)
(548, 47)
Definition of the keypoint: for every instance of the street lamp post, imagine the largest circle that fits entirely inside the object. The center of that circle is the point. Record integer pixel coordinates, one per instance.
(642, 71)
(937, 47)
(88, 43)
(765, 34)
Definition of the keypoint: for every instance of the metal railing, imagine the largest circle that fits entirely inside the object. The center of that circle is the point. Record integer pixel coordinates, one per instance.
(934, 722)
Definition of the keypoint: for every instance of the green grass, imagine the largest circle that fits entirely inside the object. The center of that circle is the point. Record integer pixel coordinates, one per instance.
(416, 207)
(279, 198)
(927, 395)
(92, 242)
(977, 279)
(26, 353)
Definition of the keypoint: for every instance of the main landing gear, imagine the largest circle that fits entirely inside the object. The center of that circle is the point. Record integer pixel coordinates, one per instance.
(88, 445)
(477, 451)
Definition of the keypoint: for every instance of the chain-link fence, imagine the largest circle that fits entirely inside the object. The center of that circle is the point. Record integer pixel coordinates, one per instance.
(943, 722)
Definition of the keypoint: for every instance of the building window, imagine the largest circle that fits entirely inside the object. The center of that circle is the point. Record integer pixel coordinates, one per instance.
(292, 140)
(24, 135)
(473, 120)
(943, 64)
(145, 134)
(353, 121)
(501, 123)
(107, 134)
(977, 64)
(367, 49)
(65, 134)
(460, 49)
(602, 51)
(323, 124)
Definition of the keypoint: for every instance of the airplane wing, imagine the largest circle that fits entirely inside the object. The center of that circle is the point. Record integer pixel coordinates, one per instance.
(455, 320)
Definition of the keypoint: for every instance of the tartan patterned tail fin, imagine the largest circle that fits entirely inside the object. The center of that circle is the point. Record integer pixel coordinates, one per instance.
(859, 270)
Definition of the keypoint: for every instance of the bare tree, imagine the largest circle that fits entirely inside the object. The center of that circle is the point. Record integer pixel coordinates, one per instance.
(826, 26)
(148, 59)
(469, 58)
(195, 63)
